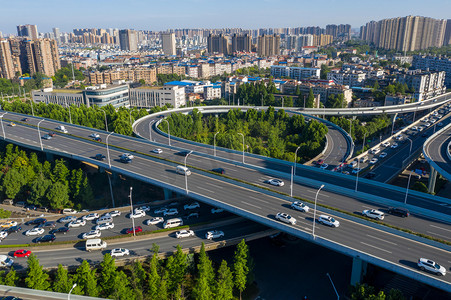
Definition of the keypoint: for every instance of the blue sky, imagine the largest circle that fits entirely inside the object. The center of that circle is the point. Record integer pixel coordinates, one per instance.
(164, 14)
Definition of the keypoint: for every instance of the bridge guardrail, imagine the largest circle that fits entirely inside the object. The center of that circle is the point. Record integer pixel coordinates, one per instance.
(430, 161)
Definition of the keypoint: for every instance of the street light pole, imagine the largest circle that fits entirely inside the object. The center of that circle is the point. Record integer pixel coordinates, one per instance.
(410, 149)
(3, 129)
(242, 135)
(169, 133)
(314, 211)
(357, 175)
(108, 149)
(70, 116)
(150, 129)
(291, 184)
(39, 133)
(214, 143)
(68, 295)
(295, 159)
(106, 123)
(333, 285)
(131, 211)
(31, 104)
(393, 125)
(407, 189)
(187, 156)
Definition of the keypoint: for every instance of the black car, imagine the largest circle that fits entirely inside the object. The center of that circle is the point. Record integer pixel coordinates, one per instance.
(47, 224)
(31, 207)
(424, 135)
(98, 139)
(399, 211)
(25, 120)
(183, 153)
(46, 238)
(125, 159)
(370, 175)
(62, 230)
(219, 170)
(100, 157)
(37, 221)
(12, 229)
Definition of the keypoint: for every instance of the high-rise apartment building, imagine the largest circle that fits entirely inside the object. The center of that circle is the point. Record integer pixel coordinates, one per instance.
(218, 44)
(6, 61)
(446, 39)
(241, 43)
(168, 44)
(128, 39)
(342, 31)
(57, 34)
(42, 56)
(268, 45)
(28, 30)
(405, 33)
(434, 63)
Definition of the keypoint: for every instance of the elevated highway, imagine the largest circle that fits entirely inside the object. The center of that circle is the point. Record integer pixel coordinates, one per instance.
(436, 151)
(355, 237)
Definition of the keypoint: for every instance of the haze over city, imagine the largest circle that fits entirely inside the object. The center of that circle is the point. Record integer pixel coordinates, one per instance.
(161, 15)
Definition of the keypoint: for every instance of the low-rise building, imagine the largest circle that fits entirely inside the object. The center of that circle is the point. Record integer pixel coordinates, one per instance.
(158, 96)
(297, 73)
(425, 84)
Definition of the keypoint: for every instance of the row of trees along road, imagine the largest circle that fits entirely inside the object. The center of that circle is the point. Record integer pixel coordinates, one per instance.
(23, 176)
(180, 276)
(268, 133)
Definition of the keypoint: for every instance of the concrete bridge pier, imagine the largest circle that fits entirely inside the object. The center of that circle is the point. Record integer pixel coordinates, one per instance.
(432, 180)
(49, 157)
(359, 268)
(167, 194)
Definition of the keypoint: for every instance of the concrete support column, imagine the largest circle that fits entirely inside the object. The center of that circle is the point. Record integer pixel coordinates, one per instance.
(432, 180)
(359, 268)
(167, 194)
(49, 157)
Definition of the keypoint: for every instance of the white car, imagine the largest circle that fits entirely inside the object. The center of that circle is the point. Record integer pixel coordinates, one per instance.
(3, 234)
(67, 219)
(286, 218)
(373, 161)
(144, 208)
(171, 212)
(160, 210)
(91, 217)
(127, 155)
(184, 233)
(157, 151)
(91, 234)
(216, 210)
(394, 146)
(386, 144)
(414, 128)
(119, 252)
(154, 221)
(114, 213)
(328, 220)
(298, 205)
(431, 266)
(215, 234)
(383, 154)
(276, 182)
(137, 214)
(324, 166)
(34, 231)
(77, 223)
(94, 135)
(104, 226)
(373, 214)
(192, 205)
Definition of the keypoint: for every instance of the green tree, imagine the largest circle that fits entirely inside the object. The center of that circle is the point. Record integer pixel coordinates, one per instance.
(176, 266)
(163, 293)
(60, 172)
(38, 188)
(203, 288)
(395, 294)
(11, 278)
(86, 280)
(139, 277)
(62, 282)
(420, 186)
(107, 275)
(224, 283)
(57, 195)
(121, 287)
(12, 183)
(36, 278)
(154, 278)
(86, 195)
(240, 267)
(310, 102)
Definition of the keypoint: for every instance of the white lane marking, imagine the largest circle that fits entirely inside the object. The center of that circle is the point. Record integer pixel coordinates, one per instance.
(214, 185)
(251, 205)
(165, 176)
(373, 237)
(258, 199)
(446, 237)
(375, 247)
(199, 187)
(440, 228)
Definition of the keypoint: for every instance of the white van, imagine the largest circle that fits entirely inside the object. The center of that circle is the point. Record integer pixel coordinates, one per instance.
(62, 128)
(104, 220)
(183, 170)
(95, 244)
(363, 159)
(173, 223)
(353, 164)
(69, 211)
(5, 261)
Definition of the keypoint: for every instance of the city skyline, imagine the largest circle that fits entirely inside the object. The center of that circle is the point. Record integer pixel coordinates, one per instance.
(162, 15)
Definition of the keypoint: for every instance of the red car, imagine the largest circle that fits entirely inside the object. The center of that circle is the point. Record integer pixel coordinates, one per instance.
(22, 253)
(137, 229)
